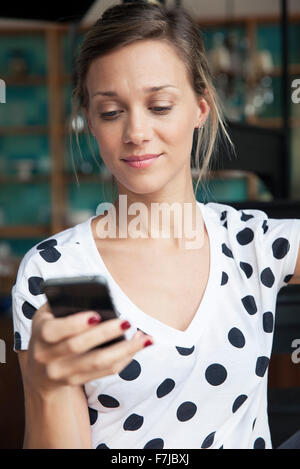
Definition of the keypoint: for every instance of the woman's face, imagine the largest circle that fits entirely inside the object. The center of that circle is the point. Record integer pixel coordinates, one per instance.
(130, 119)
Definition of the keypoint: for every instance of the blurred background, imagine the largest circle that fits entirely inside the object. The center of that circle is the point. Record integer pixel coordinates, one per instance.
(254, 53)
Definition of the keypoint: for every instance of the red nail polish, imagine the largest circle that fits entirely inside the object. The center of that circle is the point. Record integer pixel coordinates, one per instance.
(125, 325)
(147, 343)
(94, 320)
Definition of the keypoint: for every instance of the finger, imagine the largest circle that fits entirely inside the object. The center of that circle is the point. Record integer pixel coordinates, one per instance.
(98, 363)
(55, 329)
(43, 311)
(85, 337)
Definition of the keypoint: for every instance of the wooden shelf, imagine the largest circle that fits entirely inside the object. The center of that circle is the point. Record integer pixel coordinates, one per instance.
(293, 69)
(272, 122)
(38, 179)
(24, 231)
(28, 80)
(238, 20)
(33, 80)
(24, 130)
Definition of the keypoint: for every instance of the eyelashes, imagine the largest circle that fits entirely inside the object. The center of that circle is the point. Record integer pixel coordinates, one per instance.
(112, 115)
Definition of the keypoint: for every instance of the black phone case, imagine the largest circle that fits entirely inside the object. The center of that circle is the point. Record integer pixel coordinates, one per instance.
(74, 294)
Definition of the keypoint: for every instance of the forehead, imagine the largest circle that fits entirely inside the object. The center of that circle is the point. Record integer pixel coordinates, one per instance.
(142, 63)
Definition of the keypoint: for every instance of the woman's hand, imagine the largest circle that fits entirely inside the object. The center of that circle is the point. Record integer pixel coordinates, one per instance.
(60, 352)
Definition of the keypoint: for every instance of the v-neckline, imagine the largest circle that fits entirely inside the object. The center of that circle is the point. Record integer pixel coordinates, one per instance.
(144, 321)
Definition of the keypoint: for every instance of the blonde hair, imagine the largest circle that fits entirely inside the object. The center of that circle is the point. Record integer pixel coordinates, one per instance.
(124, 24)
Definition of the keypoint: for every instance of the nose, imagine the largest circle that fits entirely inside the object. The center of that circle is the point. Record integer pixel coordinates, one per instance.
(136, 129)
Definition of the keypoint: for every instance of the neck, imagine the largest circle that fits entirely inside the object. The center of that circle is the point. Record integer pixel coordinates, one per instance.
(178, 220)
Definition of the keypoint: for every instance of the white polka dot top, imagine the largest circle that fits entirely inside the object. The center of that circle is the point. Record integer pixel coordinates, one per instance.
(205, 387)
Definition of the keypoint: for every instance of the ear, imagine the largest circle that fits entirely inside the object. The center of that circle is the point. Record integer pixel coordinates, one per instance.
(89, 121)
(203, 111)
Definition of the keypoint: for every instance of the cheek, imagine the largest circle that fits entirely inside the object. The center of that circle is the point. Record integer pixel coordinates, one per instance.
(107, 139)
(180, 136)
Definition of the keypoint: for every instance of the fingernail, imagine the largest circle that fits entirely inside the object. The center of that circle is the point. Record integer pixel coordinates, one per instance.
(94, 320)
(125, 325)
(147, 343)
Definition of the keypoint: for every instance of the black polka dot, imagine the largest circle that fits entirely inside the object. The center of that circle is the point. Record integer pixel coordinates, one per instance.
(261, 366)
(48, 251)
(249, 304)
(224, 279)
(236, 337)
(221, 447)
(225, 224)
(259, 443)
(215, 374)
(186, 411)
(253, 425)
(165, 387)
(223, 215)
(246, 217)
(247, 268)
(47, 244)
(93, 415)
(245, 236)
(50, 255)
(17, 340)
(131, 371)
(34, 285)
(133, 422)
(238, 402)
(185, 351)
(280, 248)
(108, 401)
(28, 310)
(265, 226)
(268, 322)
(102, 446)
(287, 278)
(267, 277)
(156, 443)
(208, 441)
(226, 251)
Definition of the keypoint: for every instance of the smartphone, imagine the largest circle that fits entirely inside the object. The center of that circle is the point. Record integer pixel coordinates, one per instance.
(70, 295)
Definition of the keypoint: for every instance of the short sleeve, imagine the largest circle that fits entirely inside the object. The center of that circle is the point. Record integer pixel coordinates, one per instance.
(280, 250)
(26, 299)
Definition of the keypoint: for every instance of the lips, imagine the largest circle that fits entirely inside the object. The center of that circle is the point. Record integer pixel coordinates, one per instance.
(141, 157)
(144, 162)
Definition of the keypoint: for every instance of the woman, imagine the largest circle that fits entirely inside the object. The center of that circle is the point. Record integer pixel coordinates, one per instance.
(207, 311)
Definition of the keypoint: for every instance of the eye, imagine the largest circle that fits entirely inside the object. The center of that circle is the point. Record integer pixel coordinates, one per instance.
(162, 108)
(112, 115)
(108, 115)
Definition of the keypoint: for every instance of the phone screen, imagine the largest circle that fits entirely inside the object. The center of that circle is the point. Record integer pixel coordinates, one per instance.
(75, 294)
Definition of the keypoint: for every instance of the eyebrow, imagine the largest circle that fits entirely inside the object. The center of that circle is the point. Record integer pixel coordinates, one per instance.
(150, 89)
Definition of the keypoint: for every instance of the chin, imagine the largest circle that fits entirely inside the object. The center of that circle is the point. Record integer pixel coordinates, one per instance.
(142, 186)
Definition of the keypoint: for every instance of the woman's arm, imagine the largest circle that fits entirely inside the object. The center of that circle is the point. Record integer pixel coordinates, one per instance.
(57, 420)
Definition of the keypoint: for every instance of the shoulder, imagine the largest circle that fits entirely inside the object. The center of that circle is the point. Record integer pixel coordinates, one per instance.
(53, 256)
(232, 218)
